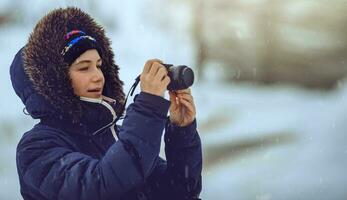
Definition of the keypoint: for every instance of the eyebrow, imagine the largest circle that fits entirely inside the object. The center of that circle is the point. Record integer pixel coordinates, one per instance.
(88, 61)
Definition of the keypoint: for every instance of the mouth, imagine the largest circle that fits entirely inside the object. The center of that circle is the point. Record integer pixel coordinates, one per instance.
(95, 90)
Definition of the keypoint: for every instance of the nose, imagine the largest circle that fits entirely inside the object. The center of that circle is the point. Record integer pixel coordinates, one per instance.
(97, 75)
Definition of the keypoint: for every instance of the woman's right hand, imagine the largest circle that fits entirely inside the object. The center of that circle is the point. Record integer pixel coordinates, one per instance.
(154, 79)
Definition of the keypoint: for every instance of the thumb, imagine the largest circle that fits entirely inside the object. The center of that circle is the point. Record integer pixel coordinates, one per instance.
(173, 98)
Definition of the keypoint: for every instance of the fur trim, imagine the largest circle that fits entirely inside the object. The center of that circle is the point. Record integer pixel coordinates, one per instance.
(45, 65)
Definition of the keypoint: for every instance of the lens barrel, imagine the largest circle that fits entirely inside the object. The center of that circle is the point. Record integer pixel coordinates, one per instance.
(181, 76)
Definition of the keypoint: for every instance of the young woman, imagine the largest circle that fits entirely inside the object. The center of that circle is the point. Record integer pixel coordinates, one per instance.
(66, 77)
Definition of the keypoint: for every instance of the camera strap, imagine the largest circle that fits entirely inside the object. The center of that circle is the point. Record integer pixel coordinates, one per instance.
(120, 114)
(131, 92)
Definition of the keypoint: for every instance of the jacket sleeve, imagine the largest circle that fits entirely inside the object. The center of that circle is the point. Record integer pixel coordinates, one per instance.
(181, 173)
(50, 168)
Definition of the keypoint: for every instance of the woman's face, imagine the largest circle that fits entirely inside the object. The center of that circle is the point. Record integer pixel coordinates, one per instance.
(86, 75)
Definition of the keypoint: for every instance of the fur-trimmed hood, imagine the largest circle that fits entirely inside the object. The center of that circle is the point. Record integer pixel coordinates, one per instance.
(45, 67)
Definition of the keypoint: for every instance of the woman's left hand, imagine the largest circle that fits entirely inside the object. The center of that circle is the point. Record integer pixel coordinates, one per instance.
(182, 108)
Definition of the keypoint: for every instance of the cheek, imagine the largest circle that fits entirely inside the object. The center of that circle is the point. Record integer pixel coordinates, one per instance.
(103, 79)
(77, 82)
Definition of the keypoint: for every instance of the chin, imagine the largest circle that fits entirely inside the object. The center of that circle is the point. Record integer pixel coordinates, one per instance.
(96, 97)
(92, 96)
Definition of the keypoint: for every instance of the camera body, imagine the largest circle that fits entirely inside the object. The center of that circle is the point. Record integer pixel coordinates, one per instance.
(181, 76)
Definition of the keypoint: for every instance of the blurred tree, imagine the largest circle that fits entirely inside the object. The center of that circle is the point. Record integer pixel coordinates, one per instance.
(301, 42)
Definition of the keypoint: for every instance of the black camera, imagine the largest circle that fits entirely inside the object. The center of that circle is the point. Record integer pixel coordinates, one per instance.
(181, 76)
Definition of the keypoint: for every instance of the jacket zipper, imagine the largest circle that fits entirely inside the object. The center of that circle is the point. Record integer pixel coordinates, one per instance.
(109, 107)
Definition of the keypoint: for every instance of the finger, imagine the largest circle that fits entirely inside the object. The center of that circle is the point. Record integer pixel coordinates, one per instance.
(188, 108)
(161, 74)
(148, 65)
(190, 100)
(173, 98)
(154, 68)
(185, 91)
(172, 95)
(187, 97)
(188, 105)
(166, 81)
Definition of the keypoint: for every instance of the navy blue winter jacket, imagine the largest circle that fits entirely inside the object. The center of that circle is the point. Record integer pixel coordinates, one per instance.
(58, 159)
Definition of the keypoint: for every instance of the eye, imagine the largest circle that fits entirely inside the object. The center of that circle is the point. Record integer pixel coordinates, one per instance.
(83, 69)
(99, 66)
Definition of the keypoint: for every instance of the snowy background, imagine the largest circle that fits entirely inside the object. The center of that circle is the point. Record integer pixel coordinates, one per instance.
(260, 142)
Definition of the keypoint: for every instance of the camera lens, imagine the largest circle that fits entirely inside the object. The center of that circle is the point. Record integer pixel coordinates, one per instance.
(182, 77)
(187, 77)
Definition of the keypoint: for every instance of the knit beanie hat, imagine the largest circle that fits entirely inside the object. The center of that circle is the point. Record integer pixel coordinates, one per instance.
(77, 42)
